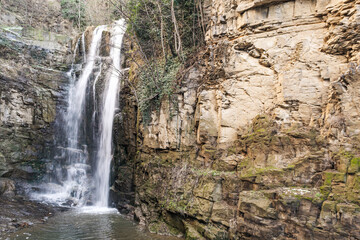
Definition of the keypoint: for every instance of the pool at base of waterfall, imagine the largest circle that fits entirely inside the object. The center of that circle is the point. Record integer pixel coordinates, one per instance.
(86, 223)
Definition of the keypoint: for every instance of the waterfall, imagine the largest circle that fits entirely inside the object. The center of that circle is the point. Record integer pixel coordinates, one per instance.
(83, 165)
(111, 90)
(77, 162)
(83, 46)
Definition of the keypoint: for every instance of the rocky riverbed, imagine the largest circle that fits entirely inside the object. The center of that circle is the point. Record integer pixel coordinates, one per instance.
(18, 212)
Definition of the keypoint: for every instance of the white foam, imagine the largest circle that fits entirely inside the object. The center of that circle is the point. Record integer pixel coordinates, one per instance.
(97, 210)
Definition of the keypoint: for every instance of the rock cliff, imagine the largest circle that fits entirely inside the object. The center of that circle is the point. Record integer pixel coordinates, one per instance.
(264, 142)
(33, 48)
(34, 42)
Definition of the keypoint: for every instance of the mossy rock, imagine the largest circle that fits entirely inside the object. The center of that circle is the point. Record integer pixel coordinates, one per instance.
(348, 208)
(200, 208)
(354, 166)
(174, 221)
(296, 194)
(262, 122)
(206, 187)
(343, 158)
(325, 190)
(191, 233)
(353, 188)
(329, 206)
(199, 230)
(161, 227)
(330, 176)
(222, 213)
(176, 206)
(256, 203)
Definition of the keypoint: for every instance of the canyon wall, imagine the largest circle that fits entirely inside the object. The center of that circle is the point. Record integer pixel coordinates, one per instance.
(34, 57)
(264, 142)
(34, 50)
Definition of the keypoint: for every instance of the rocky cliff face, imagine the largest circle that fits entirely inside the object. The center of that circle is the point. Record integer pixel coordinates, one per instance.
(265, 140)
(33, 50)
(34, 42)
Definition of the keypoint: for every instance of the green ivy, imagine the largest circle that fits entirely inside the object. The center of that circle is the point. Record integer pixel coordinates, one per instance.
(157, 81)
(6, 43)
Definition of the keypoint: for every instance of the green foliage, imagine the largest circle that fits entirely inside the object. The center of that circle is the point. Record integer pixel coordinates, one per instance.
(166, 32)
(354, 165)
(147, 17)
(4, 42)
(74, 10)
(157, 81)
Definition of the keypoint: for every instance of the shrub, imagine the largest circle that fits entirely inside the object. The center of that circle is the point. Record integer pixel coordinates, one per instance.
(151, 20)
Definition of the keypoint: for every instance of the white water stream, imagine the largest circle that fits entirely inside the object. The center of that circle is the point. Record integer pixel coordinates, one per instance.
(76, 183)
(78, 163)
(110, 97)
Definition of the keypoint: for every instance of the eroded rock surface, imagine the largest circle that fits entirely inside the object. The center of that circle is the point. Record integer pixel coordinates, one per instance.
(264, 144)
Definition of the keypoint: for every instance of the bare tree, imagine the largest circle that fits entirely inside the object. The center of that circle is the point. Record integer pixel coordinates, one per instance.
(162, 30)
(79, 12)
(177, 37)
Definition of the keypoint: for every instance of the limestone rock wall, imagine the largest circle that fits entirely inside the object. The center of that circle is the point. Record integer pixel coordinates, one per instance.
(264, 144)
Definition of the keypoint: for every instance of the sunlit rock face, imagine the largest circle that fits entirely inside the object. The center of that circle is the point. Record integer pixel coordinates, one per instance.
(265, 140)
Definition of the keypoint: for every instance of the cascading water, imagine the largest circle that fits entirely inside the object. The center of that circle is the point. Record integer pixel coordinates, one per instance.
(83, 46)
(77, 162)
(104, 157)
(74, 181)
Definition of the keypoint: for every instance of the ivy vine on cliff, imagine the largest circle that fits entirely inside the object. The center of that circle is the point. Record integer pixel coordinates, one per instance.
(152, 92)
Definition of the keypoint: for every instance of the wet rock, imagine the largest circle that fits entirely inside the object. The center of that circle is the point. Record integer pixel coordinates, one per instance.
(191, 233)
(33, 61)
(7, 187)
(21, 213)
(69, 203)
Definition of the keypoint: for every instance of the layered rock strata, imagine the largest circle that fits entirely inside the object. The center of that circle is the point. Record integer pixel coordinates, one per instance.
(33, 66)
(264, 143)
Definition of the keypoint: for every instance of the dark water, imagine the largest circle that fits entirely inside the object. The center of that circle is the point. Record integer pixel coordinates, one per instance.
(86, 224)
